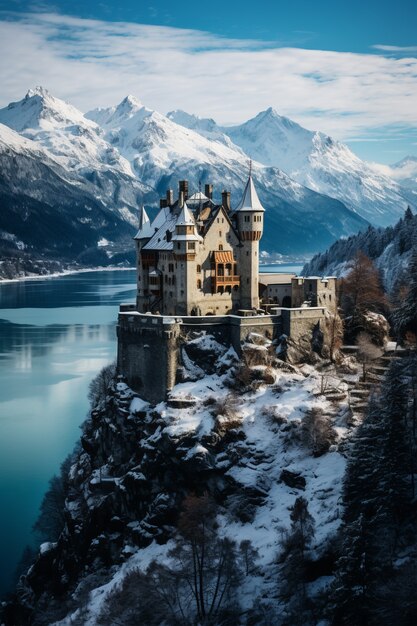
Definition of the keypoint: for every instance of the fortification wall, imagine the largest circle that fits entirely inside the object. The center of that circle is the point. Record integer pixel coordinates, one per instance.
(299, 322)
(148, 353)
(149, 345)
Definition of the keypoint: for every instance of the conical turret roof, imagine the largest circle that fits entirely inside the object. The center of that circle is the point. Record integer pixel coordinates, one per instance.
(145, 230)
(250, 200)
(185, 218)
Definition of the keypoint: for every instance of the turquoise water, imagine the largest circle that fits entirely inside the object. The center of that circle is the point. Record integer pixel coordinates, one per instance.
(283, 268)
(55, 335)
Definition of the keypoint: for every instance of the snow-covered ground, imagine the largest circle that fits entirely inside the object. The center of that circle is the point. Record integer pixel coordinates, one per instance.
(270, 416)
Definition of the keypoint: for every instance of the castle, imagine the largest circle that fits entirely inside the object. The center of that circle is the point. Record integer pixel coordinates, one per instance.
(198, 271)
(198, 257)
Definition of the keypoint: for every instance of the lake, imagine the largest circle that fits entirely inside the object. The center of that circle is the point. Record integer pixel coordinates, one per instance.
(55, 335)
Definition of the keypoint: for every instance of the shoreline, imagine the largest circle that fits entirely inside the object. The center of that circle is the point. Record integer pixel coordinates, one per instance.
(83, 270)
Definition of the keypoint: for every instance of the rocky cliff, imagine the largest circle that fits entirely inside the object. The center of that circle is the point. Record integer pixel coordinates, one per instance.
(255, 436)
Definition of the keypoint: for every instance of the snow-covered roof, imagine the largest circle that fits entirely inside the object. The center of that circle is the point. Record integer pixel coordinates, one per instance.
(197, 198)
(185, 218)
(250, 200)
(145, 229)
(159, 240)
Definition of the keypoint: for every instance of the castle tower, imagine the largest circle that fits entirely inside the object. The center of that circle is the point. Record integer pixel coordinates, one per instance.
(249, 222)
(141, 238)
(186, 240)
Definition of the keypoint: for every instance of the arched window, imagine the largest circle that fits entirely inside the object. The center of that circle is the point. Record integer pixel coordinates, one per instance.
(220, 246)
(199, 284)
(198, 269)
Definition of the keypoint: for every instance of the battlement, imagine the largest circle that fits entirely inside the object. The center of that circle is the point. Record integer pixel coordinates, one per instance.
(149, 345)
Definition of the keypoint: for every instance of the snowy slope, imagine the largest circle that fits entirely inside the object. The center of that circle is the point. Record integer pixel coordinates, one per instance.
(78, 145)
(314, 160)
(48, 209)
(269, 421)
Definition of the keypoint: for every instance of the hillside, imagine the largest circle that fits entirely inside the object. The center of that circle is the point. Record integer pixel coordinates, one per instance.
(50, 215)
(389, 248)
(251, 469)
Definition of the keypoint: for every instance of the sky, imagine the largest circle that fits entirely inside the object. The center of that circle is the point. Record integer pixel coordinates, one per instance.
(346, 68)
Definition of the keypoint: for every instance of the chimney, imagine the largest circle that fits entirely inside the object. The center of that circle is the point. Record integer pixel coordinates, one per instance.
(170, 197)
(226, 200)
(184, 188)
(208, 191)
(162, 203)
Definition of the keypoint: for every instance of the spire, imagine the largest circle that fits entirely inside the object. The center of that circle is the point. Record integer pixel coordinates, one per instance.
(145, 230)
(185, 218)
(250, 200)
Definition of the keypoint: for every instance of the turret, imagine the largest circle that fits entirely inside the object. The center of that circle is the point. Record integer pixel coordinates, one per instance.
(185, 240)
(249, 222)
(142, 237)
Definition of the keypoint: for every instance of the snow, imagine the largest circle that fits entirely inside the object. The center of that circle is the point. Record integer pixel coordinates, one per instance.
(138, 405)
(46, 547)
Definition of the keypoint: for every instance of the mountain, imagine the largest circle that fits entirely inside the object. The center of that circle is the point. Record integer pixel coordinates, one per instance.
(118, 157)
(314, 160)
(51, 212)
(404, 172)
(79, 146)
(161, 152)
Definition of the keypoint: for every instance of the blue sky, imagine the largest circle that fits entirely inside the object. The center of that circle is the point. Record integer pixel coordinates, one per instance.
(347, 68)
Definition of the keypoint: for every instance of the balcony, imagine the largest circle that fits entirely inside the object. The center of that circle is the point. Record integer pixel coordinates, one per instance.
(224, 281)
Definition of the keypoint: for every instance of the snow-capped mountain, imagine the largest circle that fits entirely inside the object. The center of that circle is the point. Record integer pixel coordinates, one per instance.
(161, 151)
(314, 160)
(78, 145)
(47, 209)
(128, 151)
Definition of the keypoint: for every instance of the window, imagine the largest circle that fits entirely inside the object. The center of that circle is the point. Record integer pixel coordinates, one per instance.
(199, 284)
(171, 267)
(178, 246)
(191, 245)
(220, 233)
(220, 246)
(198, 269)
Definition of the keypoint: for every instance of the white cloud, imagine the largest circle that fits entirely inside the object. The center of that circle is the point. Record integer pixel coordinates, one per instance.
(404, 49)
(95, 63)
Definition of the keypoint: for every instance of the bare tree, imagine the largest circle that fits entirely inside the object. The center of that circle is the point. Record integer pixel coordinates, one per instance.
(367, 352)
(100, 384)
(317, 432)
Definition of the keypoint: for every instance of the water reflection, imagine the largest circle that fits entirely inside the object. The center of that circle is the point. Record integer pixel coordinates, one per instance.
(55, 335)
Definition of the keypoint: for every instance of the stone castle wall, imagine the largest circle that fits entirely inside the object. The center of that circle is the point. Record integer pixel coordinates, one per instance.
(149, 345)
